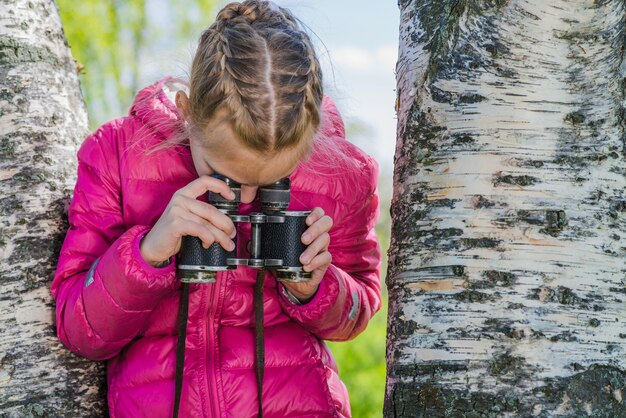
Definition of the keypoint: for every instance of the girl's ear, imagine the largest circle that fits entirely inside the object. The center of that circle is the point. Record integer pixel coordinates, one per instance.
(182, 104)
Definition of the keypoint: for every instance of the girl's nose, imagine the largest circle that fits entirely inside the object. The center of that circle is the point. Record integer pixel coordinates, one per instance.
(248, 193)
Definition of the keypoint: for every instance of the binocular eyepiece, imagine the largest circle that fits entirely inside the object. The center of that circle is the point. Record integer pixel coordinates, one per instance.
(275, 242)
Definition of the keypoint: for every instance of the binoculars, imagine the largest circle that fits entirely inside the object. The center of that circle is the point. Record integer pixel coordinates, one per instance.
(275, 242)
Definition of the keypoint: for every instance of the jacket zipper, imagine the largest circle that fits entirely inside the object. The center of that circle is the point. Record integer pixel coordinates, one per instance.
(210, 345)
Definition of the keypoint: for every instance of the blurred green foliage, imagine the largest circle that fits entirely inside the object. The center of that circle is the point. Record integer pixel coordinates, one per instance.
(107, 38)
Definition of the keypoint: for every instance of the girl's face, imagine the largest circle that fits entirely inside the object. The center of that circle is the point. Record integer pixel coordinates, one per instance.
(226, 155)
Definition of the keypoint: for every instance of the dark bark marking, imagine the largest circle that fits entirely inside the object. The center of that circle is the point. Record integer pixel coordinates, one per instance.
(589, 387)
(433, 369)
(435, 235)
(495, 279)
(556, 220)
(566, 336)
(530, 217)
(532, 163)
(506, 364)
(463, 139)
(575, 118)
(509, 329)
(7, 148)
(617, 206)
(440, 22)
(453, 98)
(13, 51)
(618, 289)
(473, 296)
(594, 322)
(422, 140)
(468, 98)
(523, 180)
(562, 295)
(434, 272)
(470, 243)
(579, 158)
(594, 387)
(479, 201)
(429, 400)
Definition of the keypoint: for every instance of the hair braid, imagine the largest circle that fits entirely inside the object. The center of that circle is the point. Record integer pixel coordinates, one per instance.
(257, 62)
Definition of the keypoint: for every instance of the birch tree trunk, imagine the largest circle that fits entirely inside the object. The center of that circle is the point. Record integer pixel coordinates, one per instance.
(42, 121)
(507, 267)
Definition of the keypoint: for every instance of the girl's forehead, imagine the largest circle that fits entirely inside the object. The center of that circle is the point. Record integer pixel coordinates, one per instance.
(253, 170)
(225, 153)
(245, 166)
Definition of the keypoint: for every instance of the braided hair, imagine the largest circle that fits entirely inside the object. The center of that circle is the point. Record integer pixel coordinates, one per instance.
(257, 62)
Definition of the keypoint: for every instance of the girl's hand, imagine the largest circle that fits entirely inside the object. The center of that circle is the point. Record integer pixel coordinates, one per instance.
(316, 257)
(185, 215)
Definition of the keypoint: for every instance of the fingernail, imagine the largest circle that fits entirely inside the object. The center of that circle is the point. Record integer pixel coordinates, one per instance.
(304, 260)
(233, 234)
(231, 246)
(306, 238)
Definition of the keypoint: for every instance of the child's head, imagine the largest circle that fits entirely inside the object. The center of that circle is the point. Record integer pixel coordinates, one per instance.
(255, 87)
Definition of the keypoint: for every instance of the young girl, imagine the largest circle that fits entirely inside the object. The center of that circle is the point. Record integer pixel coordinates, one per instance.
(253, 111)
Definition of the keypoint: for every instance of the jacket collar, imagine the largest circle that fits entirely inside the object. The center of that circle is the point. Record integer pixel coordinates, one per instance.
(154, 107)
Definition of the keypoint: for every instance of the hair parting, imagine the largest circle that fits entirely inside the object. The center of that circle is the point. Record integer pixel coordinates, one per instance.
(257, 62)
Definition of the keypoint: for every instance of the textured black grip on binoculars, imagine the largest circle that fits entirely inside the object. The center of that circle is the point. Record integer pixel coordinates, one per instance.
(192, 253)
(283, 240)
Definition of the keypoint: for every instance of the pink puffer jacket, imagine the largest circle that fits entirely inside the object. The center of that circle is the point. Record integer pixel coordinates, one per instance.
(112, 305)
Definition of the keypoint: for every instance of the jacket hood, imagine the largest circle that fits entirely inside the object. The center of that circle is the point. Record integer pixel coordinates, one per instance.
(155, 106)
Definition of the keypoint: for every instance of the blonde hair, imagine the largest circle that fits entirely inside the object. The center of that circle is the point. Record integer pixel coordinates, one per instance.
(257, 63)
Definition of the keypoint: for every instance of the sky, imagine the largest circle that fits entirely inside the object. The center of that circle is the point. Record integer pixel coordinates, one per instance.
(357, 43)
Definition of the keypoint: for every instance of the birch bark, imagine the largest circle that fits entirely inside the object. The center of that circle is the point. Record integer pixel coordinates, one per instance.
(507, 267)
(42, 122)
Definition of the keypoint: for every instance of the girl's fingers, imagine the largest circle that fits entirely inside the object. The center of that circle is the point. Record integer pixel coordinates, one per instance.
(195, 226)
(314, 216)
(203, 184)
(211, 214)
(321, 260)
(195, 229)
(220, 237)
(320, 226)
(320, 244)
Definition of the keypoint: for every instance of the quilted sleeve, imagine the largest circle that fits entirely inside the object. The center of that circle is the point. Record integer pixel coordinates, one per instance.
(349, 293)
(103, 288)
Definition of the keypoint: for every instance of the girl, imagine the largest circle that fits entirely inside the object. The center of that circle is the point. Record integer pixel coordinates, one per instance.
(253, 111)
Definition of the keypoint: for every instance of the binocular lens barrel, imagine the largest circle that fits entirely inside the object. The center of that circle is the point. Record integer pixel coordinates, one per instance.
(275, 197)
(275, 243)
(197, 264)
(227, 206)
(283, 241)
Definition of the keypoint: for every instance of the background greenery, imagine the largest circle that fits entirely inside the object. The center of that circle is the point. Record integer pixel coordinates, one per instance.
(108, 39)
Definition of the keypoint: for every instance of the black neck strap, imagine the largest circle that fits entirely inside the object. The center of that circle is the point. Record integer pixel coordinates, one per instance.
(183, 313)
(180, 346)
(259, 337)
